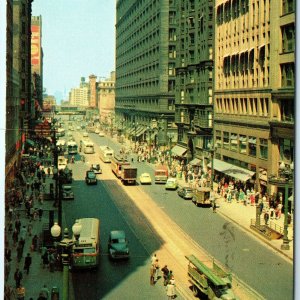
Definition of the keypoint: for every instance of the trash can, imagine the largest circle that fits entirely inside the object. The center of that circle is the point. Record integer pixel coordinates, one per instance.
(54, 293)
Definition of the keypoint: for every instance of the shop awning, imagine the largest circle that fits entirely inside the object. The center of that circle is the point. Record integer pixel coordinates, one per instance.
(178, 150)
(195, 162)
(141, 131)
(129, 131)
(232, 170)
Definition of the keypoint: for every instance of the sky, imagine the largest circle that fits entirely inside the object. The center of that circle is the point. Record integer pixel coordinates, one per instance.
(78, 39)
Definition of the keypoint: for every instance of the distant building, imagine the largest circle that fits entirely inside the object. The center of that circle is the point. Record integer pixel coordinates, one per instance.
(80, 96)
(49, 102)
(93, 101)
(106, 96)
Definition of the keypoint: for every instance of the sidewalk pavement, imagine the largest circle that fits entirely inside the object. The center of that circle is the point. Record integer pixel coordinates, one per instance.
(38, 276)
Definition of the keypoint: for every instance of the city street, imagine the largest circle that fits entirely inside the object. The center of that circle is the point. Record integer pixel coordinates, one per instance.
(115, 210)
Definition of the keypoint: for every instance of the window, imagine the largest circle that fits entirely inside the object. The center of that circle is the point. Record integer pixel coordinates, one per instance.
(218, 139)
(287, 75)
(286, 149)
(252, 146)
(288, 6)
(233, 142)
(288, 38)
(226, 140)
(263, 148)
(243, 144)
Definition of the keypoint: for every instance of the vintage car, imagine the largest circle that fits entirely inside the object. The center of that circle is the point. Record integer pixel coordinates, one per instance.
(171, 184)
(185, 192)
(67, 192)
(145, 178)
(90, 177)
(96, 168)
(118, 245)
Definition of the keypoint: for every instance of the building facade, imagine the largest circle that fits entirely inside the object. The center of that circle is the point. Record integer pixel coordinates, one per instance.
(254, 86)
(194, 78)
(106, 98)
(80, 96)
(93, 91)
(145, 68)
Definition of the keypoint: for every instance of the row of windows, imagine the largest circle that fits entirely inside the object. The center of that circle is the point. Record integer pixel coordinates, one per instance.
(243, 106)
(231, 10)
(243, 144)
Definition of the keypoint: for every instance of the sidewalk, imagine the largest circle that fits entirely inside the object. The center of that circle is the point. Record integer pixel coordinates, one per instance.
(241, 215)
(38, 276)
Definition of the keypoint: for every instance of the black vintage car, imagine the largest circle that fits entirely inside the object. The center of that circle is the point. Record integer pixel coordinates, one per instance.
(90, 177)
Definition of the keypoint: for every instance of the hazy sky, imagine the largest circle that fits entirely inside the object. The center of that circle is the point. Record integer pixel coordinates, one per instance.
(78, 39)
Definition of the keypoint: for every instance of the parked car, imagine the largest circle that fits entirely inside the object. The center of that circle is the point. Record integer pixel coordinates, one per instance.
(118, 245)
(145, 178)
(171, 184)
(67, 192)
(90, 177)
(85, 134)
(101, 133)
(96, 168)
(185, 192)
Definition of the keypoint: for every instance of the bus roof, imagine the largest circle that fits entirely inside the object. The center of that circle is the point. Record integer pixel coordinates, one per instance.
(215, 279)
(87, 142)
(89, 231)
(71, 143)
(120, 158)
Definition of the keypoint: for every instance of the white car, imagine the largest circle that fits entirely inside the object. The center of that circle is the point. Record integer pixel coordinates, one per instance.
(85, 134)
(97, 131)
(101, 133)
(171, 184)
(145, 178)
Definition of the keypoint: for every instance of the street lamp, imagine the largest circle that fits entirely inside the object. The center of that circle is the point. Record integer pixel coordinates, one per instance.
(287, 176)
(170, 136)
(66, 245)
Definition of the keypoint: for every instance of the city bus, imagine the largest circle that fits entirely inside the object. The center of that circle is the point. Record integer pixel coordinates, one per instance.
(116, 164)
(85, 252)
(106, 154)
(72, 147)
(87, 147)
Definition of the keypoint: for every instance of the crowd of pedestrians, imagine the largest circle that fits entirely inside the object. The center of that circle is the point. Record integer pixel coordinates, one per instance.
(168, 277)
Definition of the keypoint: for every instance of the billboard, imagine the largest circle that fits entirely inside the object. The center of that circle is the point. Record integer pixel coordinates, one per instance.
(36, 47)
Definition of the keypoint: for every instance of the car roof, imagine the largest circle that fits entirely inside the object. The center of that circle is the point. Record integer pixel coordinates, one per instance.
(117, 234)
(171, 179)
(145, 174)
(67, 187)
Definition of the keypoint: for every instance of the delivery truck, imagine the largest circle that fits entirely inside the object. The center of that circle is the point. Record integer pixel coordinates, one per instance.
(128, 174)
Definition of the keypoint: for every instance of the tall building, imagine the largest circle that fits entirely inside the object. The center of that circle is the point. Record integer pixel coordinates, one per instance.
(93, 91)
(145, 67)
(194, 78)
(106, 97)
(254, 87)
(80, 96)
(19, 105)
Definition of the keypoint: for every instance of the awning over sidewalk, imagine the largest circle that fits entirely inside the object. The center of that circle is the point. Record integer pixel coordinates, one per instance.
(130, 131)
(195, 162)
(178, 150)
(140, 131)
(232, 170)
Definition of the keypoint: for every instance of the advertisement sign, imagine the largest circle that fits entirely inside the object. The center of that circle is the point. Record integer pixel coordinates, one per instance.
(35, 46)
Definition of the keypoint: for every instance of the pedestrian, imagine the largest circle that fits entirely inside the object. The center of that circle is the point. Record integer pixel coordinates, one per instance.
(153, 259)
(7, 253)
(18, 277)
(170, 290)
(44, 293)
(152, 274)
(45, 259)
(214, 207)
(34, 243)
(51, 262)
(29, 228)
(266, 217)
(27, 263)
(261, 207)
(156, 267)
(23, 233)
(15, 236)
(40, 211)
(19, 251)
(18, 224)
(165, 271)
(20, 292)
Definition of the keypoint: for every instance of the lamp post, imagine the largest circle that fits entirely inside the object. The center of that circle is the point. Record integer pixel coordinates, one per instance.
(66, 245)
(170, 136)
(287, 175)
